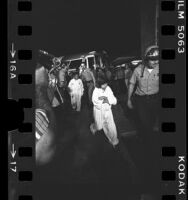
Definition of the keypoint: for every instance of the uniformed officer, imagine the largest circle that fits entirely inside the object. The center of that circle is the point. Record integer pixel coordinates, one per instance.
(144, 88)
(143, 96)
(89, 80)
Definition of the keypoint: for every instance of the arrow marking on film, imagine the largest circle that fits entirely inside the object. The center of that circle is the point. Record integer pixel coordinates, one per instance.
(13, 152)
(12, 51)
(13, 169)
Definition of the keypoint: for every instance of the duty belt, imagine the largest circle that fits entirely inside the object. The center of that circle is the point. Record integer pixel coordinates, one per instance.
(89, 81)
(147, 96)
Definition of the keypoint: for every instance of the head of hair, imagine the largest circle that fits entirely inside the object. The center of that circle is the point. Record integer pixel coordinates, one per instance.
(75, 74)
(100, 82)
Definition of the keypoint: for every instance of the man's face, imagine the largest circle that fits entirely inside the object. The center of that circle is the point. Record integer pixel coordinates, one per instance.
(152, 63)
(83, 66)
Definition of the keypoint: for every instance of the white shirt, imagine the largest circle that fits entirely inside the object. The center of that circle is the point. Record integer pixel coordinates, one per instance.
(150, 70)
(98, 92)
(76, 86)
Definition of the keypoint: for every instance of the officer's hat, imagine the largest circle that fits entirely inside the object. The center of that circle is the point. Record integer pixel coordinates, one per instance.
(152, 53)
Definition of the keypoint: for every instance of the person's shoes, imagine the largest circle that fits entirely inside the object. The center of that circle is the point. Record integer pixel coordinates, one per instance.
(92, 129)
(115, 143)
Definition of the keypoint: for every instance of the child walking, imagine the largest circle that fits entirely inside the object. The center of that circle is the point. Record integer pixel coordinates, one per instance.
(103, 98)
(76, 91)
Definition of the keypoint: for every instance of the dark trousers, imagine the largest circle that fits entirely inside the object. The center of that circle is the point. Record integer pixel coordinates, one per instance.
(147, 108)
(119, 86)
(88, 92)
(85, 97)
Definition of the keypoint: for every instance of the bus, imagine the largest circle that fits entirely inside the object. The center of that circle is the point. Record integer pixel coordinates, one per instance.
(91, 59)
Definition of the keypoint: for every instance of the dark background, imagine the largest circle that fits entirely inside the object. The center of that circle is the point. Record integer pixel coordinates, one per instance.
(73, 26)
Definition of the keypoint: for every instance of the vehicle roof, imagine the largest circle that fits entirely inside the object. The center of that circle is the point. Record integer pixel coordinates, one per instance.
(80, 55)
(126, 59)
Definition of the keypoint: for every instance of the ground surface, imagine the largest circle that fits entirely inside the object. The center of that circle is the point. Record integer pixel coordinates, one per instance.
(87, 166)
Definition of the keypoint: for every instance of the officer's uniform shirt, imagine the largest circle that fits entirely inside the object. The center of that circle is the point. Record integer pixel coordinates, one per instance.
(147, 81)
(87, 75)
(62, 77)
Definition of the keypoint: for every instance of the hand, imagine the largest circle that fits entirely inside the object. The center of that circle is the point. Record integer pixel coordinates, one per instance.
(101, 98)
(129, 104)
(105, 100)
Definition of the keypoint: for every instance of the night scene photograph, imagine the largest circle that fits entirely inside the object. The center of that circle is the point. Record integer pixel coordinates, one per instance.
(96, 99)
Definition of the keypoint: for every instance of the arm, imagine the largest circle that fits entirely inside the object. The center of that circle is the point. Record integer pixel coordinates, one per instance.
(93, 77)
(130, 91)
(132, 83)
(95, 99)
(82, 76)
(131, 87)
(70, 85)
(82, 86)
(111, 98)
(45, 147)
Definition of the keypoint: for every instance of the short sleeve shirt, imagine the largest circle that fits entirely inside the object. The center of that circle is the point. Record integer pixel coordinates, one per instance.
(147, 83)
(87, 75)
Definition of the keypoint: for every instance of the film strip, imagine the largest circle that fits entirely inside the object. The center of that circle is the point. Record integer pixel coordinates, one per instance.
(21, 78)
(172, 90)
(172, 44)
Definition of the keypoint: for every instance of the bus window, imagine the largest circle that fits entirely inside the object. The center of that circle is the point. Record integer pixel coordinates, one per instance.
(97, 58)
(75, 64)
(91, 62)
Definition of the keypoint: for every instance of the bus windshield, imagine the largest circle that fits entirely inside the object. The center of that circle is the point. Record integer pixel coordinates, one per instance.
(75, 64)
(91, 62)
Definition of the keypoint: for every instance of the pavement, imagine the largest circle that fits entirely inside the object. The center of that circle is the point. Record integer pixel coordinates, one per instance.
(87, 166)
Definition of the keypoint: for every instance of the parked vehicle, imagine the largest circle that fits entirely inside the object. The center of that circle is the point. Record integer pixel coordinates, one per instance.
(123, 68)
(92, 60)
(121, 64)
(123, 61)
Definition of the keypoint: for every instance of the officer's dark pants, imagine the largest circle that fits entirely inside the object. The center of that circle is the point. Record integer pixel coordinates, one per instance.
(88, 91)
(85, 96)
(90, 88)
(147, 108)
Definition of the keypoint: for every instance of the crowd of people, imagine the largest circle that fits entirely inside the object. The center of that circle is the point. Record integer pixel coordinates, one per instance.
(96, 90)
